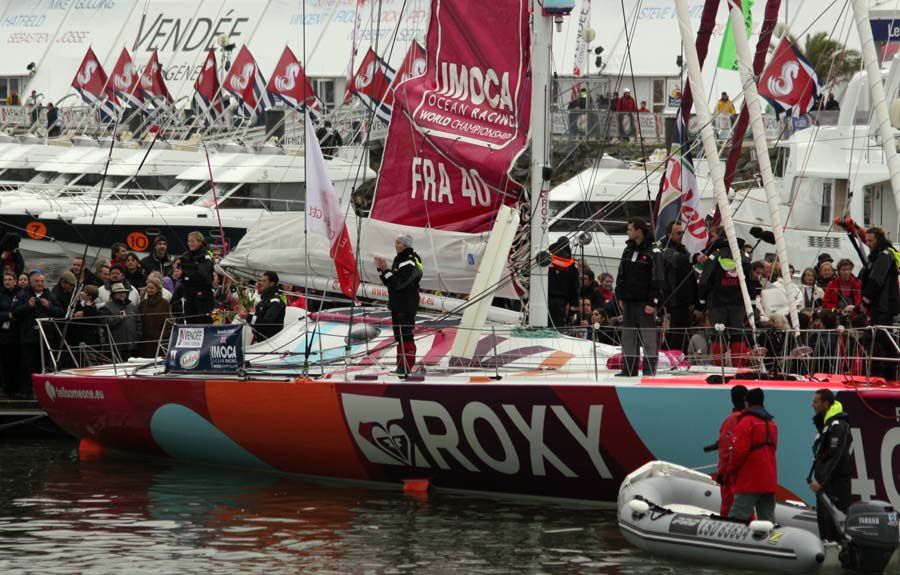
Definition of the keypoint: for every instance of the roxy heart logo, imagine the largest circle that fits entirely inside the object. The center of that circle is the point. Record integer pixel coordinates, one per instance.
(393, 440)
(50, 390)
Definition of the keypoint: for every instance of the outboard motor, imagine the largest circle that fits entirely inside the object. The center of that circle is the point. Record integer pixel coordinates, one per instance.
(872, 535)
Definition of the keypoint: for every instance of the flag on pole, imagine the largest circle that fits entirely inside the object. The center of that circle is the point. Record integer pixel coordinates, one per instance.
(125, 81)
(581, 53)
(789, 82)
(324, 215)
(413, 65)
(290, 83)
(206, 94)
(91, 82)
(371, 84)
(153, 83)
(728, 51)
(246, 82)
(679, 196)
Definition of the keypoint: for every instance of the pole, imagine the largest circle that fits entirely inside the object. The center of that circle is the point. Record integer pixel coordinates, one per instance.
(758, 128)
(540, 158)
(710, 149)
(876, 88)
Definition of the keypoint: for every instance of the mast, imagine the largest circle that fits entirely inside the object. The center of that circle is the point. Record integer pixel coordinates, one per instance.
(709, 147)
(542, 34)
(754, 108)
(876, 89)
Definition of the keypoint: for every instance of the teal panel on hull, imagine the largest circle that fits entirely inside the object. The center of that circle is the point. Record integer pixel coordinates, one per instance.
(183, 434)
(675, 425)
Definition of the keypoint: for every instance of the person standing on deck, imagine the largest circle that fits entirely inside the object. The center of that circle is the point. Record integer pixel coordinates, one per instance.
(681, 285)
(562, 284)
(402, 281)
(830, 474)
(268, 317)
(881, 299)
(639, 287)
(158, 260)
(197, 280)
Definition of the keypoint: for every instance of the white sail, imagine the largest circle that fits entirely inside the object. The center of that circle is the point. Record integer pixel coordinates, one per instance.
(276, 242)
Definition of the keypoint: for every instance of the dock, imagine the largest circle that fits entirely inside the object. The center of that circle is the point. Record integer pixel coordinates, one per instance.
(22, 418)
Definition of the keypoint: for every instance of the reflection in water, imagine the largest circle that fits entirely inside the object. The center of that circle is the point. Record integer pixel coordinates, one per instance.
(121, 515)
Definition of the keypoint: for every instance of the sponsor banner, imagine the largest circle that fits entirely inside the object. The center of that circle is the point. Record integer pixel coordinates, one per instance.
(205, 349)
(457, 129)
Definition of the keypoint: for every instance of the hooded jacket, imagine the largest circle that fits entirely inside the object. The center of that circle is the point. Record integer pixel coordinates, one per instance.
(880, 292)
(269, 316)
(402, 281)
(751, 460)
(831, 448)
(681, 280)
(562, 280)
(719, 282)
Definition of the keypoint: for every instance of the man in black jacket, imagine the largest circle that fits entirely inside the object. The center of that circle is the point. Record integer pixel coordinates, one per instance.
(880, 299)
(402, 281)
(681, 285)
(562, 284)
(268, 319)
(158, 260)
(31, 304)
(830, 474)
(639, 287)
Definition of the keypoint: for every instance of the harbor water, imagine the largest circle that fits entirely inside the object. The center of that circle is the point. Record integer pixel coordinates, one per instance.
(60, 513)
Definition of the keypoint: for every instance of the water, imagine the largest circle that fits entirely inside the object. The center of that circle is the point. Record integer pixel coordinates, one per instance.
(116, 514)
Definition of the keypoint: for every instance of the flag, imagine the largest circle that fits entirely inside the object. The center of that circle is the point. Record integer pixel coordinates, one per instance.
(290, 83)
(789, 82)
(324, 215)
(124, 81)
(246, 82)
(153, 84)
(679, 196)
(371, 84)
(91, 82)
(413, 65)
(581, 53)
(206, 94)
(728, 51)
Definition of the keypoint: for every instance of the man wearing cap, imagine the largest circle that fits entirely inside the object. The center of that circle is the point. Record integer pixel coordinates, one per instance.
(751, 461)
(626, 103)
(562, 284)
(158, 260)
(116, 276)
(402, 281)
(639, 286)
(121, 317)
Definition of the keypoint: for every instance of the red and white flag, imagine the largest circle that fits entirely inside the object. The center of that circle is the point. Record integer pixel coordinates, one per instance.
(413, 65)
(372, 83)
(246, 82)
(789, 82)
(324, 215)
(289, 82)
(153, 83)
(125, 81)
(581, 52)
(206, 94)
(91, 82)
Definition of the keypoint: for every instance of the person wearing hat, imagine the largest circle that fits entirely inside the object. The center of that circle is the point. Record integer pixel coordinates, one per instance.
(196, 281)
(725, 105)
(121, 317)
(402, 281)
(158, 260)
(751, 461)
(626, 103)
(720, 291)
(726, 436)
(562, 284)
(154, 313)
(639, 288)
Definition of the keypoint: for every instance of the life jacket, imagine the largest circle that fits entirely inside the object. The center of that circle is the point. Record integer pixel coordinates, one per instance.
(767, 442)
(896, 254)
(561, 263)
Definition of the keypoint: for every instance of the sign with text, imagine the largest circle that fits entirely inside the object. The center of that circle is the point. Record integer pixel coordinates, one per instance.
(456, 130)
(205, 349)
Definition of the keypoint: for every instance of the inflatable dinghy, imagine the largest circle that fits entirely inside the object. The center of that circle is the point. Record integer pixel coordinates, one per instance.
(672, 511)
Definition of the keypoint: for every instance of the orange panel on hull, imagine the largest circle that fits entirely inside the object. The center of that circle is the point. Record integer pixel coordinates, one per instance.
(294, 426)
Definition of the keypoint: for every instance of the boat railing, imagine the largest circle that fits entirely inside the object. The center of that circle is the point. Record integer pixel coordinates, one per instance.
(861, 353)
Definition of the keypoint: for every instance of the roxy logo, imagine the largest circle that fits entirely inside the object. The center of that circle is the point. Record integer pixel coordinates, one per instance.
(508, 440)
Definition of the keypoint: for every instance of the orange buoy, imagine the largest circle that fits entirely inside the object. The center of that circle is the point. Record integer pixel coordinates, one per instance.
(89, 448)
(416, 486)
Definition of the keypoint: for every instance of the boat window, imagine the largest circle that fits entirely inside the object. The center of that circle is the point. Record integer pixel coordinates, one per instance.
(608, 217)
(41, 178)
(781, 160)
(868, 206)
(155, 184)
(825, 215)
(274, 197)
(184, 191)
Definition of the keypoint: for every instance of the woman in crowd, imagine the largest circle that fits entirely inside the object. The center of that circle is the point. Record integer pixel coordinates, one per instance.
(826, 274)
(22, 282)
(134, 271)
(154, 313)
(810, 296)
(197, 280)
(9, 349)
(844, 292)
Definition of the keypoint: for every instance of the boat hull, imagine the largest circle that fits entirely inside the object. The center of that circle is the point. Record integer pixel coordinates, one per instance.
(565, 441)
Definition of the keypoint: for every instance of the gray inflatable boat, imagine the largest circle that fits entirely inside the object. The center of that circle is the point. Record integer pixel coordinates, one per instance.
(672, 511)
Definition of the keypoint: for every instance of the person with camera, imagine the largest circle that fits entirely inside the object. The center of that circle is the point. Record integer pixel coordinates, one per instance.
(197, 280)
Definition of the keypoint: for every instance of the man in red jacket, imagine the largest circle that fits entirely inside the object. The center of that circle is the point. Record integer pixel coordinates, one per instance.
(752, 461)
(726, 436)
